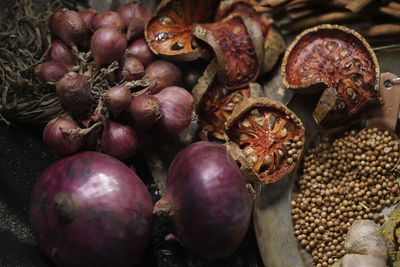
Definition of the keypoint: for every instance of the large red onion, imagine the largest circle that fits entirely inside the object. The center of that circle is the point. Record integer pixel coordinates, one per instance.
(130, 69)
(69, 26)
(118, 140)
(177, 106)
(161, 74)
(88, 15)
(118, 99)
(90, 209)
(107, 45)
(141, 51)
(145, 109)
(108, 19)
(74, 92)
(135, 16)
(207, 199)
(50, 71)
(57, 135)
(62, 54)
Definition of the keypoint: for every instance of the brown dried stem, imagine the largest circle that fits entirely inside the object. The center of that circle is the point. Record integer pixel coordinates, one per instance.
(320, 19)
(381, 30)
(390, 11)
(356, 6)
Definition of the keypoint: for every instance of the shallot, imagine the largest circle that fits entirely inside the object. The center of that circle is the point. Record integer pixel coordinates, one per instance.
(118, 140)
(135, 16)
(90, 209)
(69, 26)
(107, 45)
(57, 135)
(177, 106)
(74, 92)
(88, 15)
(62, 54)
(118, 99)
(50, 71)
(108, 19)
(130, 69)
(141, 51)
(145, 109)
(207, 199)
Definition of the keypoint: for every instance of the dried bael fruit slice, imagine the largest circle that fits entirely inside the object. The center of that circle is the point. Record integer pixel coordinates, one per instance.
(237, 42)
(274, 43)
(169, 32)
(214, 104)
(339, 59)
(270, 138)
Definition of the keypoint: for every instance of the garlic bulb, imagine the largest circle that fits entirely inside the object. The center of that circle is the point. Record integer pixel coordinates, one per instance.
(365, 246)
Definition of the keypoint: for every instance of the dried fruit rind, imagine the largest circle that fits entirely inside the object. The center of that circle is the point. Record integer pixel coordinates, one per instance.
(169, 32)
(237, 42)
(336, 57)
(270, 137)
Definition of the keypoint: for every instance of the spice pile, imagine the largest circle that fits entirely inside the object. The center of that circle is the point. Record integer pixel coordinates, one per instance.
(345, 179)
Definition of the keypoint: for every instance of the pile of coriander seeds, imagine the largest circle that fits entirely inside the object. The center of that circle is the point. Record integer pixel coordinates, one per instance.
(345, 179)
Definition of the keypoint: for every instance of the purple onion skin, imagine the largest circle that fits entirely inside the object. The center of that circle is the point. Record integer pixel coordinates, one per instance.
(107, 45)
(108, 19)
(141, 51)
(74, 92)
(62, 54)
(135, 16)
(50, 71)
(161, 74)
(110, 225)
(119, 140)
(88, 15)
(145, 109)
(56, 136)
(131, 69)
(177, 106)
(211, 206)
(68, 26)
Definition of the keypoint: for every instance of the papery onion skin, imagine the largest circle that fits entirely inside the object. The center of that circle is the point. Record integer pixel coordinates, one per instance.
(90, 209)
(69, 26)
(145, 109)
(107, 45)
(135, 16)
(57, 137)
(141, 51)
(62, 54)
(88, 15)
(177, 106)
(108, 19)
(50, 71)
(161, 74)
(119, 140)
(130, 69)
(210, 203)
(118, 98)
(74, 92)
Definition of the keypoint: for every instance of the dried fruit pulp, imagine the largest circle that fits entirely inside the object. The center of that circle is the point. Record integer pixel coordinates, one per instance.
(270, 140)
(337, 59)
(169, 32)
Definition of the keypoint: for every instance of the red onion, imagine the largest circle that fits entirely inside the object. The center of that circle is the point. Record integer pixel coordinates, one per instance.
(130, 69)
(69, 26)
(207, 199)
(161, 74)
(57, 135)
(141, 51)
(118, 99)
(108, 19)
(61, 53)
(177, 106)
(50, 71)
(74, 92)
(145, 109)
(88, 15)
(107, 45)
(90, 209)
(118, 140)
(135, 16)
